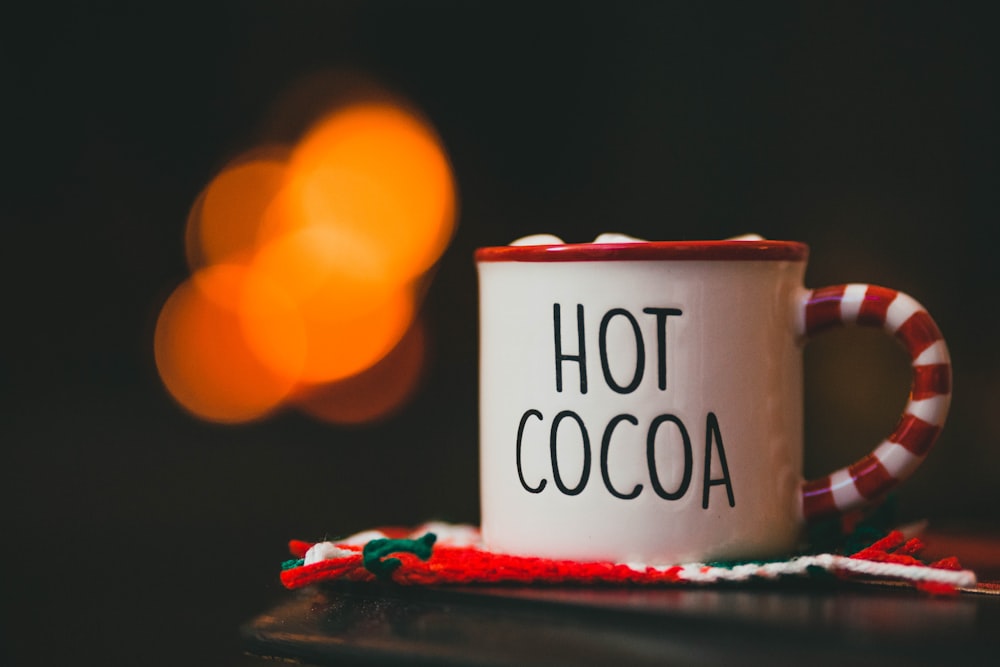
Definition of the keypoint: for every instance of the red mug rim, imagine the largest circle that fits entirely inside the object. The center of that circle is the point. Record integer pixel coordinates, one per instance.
(648, 250)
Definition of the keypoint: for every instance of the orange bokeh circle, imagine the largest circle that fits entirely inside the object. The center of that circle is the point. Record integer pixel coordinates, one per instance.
(224, 222)
(202, 353)
(375, 392)
(379, 172)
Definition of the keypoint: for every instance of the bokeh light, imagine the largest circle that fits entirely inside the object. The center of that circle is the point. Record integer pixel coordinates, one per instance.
(309, 266)
(203, 356)
(375, 392)
(378, 171)
(223, 223)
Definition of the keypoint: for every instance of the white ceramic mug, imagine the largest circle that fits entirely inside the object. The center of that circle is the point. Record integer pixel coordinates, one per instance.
(642, 402)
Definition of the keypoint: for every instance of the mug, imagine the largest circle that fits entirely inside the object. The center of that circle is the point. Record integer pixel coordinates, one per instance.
(642, 402)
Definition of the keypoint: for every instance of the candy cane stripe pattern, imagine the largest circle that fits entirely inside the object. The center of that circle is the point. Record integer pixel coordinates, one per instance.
(930, 392)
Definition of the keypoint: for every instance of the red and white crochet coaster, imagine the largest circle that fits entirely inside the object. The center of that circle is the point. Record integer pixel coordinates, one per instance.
(440, 553)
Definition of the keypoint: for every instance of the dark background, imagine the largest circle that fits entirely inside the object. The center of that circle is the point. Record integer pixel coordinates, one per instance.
(136, 534)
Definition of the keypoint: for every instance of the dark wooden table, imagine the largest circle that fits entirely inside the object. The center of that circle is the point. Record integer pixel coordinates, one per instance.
(774, 624)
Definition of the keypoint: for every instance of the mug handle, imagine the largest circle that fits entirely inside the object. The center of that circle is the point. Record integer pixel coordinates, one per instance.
(895, 458)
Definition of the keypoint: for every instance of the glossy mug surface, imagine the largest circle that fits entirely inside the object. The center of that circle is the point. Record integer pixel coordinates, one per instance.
(642, 402)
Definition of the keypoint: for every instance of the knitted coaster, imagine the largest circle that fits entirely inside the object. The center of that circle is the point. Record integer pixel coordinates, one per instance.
(440, 553)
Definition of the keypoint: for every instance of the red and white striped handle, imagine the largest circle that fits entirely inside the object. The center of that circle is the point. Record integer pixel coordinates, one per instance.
(899, 455)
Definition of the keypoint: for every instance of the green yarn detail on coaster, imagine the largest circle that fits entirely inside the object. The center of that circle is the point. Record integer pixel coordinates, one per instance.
(375, 552)
(294, 562)
(828, 535)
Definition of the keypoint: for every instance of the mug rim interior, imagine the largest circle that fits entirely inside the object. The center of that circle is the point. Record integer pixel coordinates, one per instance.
(760, 250)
